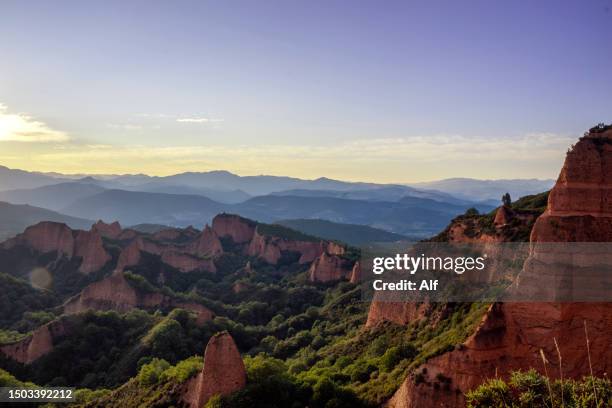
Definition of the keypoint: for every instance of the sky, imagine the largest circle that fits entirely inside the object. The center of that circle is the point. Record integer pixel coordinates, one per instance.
(393, 91)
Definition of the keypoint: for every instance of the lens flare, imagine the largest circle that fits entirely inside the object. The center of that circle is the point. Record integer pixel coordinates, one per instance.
(41, 278)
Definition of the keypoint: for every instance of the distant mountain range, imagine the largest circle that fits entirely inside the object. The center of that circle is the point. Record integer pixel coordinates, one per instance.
(194, 198)
(483, 190)
(16, 218)
(351, 234)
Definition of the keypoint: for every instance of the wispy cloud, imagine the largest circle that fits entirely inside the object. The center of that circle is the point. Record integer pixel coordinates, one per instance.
(19, 127)
(198, 120)
(124, 126)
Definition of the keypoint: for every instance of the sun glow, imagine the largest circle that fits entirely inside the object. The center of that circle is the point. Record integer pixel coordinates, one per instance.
(16, 127)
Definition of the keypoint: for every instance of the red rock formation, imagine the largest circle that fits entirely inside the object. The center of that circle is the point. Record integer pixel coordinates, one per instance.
(511, 335)
(207, 244)
(239, 229)
(262, 248)
(503, 216)
(130, 255)
(128, 234)
(112, 231)
(46, 237)
(356, 273)
(396, 312)
(333, 248)
(328, 268)
(240, 287)
(112, 293)
(36, 345)
(185, 262)
(271, 248)
(223, 372)
(168, 234)
(88, 245)
(116, 293)
(202, 313)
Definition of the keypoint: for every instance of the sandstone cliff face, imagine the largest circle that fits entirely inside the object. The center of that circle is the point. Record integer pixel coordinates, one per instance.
(130, 255)
(88, 245)
(239, 229)
(271, 248)
(223, 372)
(356, 273)
(396, 312)
(207, 244)
(185, 262)
(112, 293)
(111, 231)
(511, 335)
(327, 268)
(333, 248)
(183, 258)
(46, 237)
(502, 216)
(116, 293)
(36, 345)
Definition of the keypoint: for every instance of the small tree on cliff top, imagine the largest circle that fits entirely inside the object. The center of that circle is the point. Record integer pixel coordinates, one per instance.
(506, 199)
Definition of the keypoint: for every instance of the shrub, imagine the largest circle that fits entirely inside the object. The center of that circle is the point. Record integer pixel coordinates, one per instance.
(183, 370)
(150, 373)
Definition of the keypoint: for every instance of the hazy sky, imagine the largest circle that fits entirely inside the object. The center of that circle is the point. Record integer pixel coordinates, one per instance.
(358, 90)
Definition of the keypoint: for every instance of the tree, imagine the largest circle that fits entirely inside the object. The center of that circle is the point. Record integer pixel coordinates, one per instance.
(506, 200)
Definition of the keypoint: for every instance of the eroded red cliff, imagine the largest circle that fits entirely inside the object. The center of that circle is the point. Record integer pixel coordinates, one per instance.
(511, 335)
(111, 231)
(239, 229)
(89, 247)
(37, 344)
(223, 372)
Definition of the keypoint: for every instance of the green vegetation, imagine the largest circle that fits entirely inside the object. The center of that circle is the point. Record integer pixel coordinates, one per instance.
(277, 230)
(600, 128)
(20, 300)
(530, 389)
(527, 208)
(8, 380)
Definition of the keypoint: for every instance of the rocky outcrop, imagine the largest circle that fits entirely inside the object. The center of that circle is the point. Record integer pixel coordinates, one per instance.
(207, 244)
(503, 216)
(334, 248)
(185, 262)
(89, 247)
(511, 335)
(111, 231)
(327, 268)
(112, 293)
(396, 312)
(37, 344)
(202, 313)
(239, 229)
(509, 338)
(46, 237)
(130, 255)
(223, 372)
(117, 293)
(168, 234)
(179, 257)
(271, 248)
(356, 273)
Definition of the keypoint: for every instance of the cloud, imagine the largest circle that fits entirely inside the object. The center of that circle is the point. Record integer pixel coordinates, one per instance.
(18, 127)
(385, 159)
(198, 120)
(124, 126)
